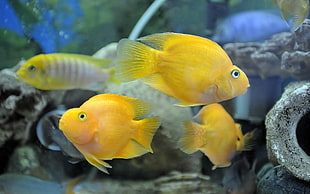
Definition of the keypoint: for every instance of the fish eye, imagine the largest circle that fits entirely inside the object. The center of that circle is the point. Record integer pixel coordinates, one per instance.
(32, 68)
(235, 73)
(82, 116)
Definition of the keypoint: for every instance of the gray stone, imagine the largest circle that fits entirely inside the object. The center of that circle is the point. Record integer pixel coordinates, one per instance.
(285, 54)
(287, 139)
(20, 106)
(184, 183)
(24, 160)
(296, 63)
(173, 183)
(278, 181)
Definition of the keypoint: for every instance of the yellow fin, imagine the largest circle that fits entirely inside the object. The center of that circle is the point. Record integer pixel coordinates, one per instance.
(156, 81)
(134, 60)
(159, 41)
(297, 20)
(71, 184)
(146, 130)
(222, 165)
(249, 140)
(131, 150)
(140, 107)
(101, 165)
(112, 78)
(193, 138)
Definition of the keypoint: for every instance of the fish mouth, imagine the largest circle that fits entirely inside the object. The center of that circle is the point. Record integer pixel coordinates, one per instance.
(18, 75)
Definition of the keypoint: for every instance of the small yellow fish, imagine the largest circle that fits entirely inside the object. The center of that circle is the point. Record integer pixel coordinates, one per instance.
(64, 71)
(109, 126)
(192, 69)
(218, 136)
(293, 11)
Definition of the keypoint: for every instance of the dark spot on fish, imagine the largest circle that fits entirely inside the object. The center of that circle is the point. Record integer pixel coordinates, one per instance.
(235, 73)
(32, 68)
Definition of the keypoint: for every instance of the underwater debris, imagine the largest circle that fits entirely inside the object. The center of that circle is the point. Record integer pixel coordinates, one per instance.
(285, 54)
(287, 130)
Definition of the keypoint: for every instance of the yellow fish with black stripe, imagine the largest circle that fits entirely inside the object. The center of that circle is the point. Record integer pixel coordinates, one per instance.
(65, 71)
(192, 69)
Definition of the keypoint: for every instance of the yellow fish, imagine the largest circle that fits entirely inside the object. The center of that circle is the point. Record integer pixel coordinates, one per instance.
(64, 71)
(192, 69)
(293, 11)
(109, 126)
(216, 135)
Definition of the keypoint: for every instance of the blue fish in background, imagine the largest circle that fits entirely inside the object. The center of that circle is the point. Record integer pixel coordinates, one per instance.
(250, 26)
(52, 31)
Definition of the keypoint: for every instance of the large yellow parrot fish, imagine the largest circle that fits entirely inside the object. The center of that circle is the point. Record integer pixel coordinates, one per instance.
(192, 69)
(110, 126)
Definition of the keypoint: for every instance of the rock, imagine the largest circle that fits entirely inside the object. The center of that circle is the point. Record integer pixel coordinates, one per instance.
(183, 183)
(296, 63)
(303, 36)
(285, 54)
(107, 52)
(173, 183)
(278, 181)
(20, 105)
(288, 130)
(23, 160)
(35, 161)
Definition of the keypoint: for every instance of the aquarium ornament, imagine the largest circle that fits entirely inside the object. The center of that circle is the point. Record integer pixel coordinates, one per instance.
(144, 19)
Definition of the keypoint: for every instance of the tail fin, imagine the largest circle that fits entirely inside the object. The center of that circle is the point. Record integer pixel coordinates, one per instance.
(192, 140)
(249, 140)
(134, 60)
(146, 132)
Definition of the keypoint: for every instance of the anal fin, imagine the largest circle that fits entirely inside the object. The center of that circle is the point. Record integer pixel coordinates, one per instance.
(101, 165)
